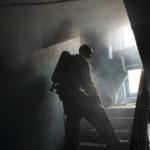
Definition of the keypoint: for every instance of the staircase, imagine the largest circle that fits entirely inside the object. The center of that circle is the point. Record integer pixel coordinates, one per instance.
(121, 118)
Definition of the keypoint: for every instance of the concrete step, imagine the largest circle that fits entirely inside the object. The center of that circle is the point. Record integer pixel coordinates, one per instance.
(120, 116)
(124, 134)
(121, 111)
(92, 136)
(91, 146)
(122, 123)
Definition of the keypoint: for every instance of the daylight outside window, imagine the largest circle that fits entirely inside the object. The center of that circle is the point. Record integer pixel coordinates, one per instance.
(129, 39)
(134, 79)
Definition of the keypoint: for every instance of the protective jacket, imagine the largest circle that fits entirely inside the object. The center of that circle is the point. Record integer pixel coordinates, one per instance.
(79, 77)
(77, 87)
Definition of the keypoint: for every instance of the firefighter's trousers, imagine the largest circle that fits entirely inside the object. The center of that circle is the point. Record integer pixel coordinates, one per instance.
(81, 106)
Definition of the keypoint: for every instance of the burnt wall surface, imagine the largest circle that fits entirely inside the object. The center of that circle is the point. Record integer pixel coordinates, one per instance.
(31, 117)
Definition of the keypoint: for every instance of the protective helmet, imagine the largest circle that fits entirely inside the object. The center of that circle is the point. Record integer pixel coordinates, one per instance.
(85, 51)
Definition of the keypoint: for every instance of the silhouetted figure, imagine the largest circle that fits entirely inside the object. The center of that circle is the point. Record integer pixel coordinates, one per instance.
(80, 99)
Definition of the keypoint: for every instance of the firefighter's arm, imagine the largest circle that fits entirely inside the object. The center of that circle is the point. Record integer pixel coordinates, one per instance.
(91, 91)
(88, 85)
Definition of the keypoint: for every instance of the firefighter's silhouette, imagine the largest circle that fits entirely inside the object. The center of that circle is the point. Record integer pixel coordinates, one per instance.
(73, 83)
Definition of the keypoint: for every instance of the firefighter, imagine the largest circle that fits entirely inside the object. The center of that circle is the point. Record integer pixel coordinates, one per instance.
(81, 100)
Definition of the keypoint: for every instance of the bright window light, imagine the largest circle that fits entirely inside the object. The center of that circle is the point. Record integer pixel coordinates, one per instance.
(129, 39)
(134, 79)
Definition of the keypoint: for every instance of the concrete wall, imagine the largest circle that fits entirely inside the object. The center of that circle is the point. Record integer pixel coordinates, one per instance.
(32, 116)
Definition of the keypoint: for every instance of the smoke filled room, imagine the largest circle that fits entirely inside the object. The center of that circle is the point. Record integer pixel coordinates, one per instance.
(74, 75)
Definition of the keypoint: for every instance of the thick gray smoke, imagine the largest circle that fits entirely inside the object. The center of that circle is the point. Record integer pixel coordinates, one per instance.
(28, 28)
